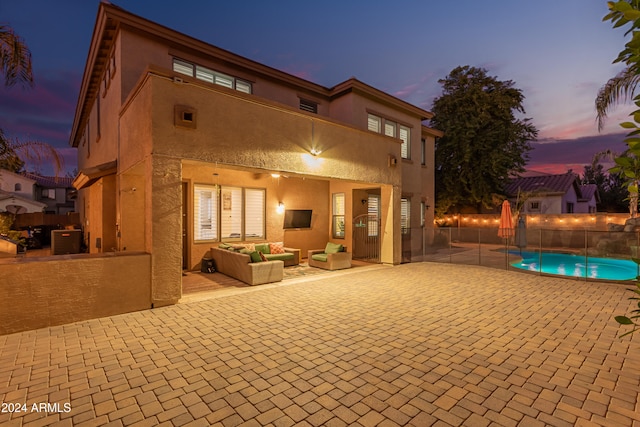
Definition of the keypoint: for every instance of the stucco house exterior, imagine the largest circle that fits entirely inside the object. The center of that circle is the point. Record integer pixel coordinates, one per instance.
(57, 193)
(182, 145)
(553, 194)
(17, 193)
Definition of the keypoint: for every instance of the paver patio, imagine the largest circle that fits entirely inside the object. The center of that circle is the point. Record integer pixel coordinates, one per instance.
(417, 344)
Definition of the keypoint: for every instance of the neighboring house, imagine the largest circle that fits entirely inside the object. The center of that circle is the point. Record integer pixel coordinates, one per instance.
(182, 145)
(56, 192)
(17, 194)
(553, 194)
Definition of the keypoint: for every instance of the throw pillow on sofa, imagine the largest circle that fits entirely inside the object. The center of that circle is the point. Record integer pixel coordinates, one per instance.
(276, 248)
(264, 258)
(332, 248)
(263, 247)
(255, 256)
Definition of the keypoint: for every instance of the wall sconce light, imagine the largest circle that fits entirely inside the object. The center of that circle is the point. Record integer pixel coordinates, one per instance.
(280, 208)
(275, 175)
(315, 152)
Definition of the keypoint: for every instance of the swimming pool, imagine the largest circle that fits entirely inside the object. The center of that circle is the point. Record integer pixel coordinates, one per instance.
(577, 266)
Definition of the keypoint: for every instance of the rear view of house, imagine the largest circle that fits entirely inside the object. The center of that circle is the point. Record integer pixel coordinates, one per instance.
(182, 145)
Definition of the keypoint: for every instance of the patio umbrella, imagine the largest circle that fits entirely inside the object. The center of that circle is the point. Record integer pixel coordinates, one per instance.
(506, 229)
(506, 222)
(521, 233)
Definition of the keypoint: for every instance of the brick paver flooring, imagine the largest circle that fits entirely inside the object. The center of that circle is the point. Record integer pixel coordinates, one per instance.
(417, 344)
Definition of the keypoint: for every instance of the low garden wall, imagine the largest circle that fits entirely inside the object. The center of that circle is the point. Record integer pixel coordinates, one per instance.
(49, 291)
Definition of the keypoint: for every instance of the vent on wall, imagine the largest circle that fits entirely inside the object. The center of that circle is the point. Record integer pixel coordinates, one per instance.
(184, 117)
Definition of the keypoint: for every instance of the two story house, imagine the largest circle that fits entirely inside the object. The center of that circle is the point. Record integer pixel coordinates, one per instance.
(18, 193)
(182, 145)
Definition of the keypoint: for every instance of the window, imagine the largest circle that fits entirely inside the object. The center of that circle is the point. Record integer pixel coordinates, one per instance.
(338, 215)
(534, 206)
(308, 106)
(423, 152)
(242, 86)
(49, 193)
(231, 213)
(210, 76)
(569, 207)
(228, 213)
(374, 123)
(183, 67)
(373, 210)
(17, 187)
(254, 202)
(205, 210)
(390, 128)
(405, 136)
(405, 216)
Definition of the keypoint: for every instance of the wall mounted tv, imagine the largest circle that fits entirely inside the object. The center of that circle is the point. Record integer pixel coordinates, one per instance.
(297, 218)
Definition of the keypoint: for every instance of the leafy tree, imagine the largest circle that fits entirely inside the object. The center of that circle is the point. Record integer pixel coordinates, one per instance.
(610, 185)
(484, 143)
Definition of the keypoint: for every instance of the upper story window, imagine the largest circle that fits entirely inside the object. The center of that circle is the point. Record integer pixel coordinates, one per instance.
(309, 106)
(17, 187)
(379, 124)
(374, 123)
(211, 76)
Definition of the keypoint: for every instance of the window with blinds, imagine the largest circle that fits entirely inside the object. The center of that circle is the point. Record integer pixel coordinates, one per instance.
(405, 218)
(210, 76)
(182, 67)
(338, 215)
(373, 210)
(254, 202)
(373, 123)
(404, 135)
(232, 213)
(390, 128)
(205, 213)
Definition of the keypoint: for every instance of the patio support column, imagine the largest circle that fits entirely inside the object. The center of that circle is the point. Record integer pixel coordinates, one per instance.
(391, 238)
(166, 230)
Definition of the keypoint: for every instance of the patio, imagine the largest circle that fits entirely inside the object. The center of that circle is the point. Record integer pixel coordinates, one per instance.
(416, 344)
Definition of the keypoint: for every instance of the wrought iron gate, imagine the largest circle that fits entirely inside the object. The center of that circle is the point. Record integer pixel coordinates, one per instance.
(366, 238)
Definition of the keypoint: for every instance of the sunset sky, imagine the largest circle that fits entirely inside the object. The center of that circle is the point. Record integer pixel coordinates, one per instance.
(558, 52)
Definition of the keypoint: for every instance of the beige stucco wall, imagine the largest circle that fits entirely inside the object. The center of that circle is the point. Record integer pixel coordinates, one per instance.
(40, 292)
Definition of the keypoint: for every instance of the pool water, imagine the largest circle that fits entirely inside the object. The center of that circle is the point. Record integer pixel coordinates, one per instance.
(577, 266)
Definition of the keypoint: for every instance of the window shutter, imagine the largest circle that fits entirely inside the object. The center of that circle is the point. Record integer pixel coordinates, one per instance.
(405, 220)
(373, 123)
(390, 129)
(224, 80)
(182, 67)
(242, 86)
(254, 213)
(404, 136)
(373, 210)
(204, 74)
(205, 209)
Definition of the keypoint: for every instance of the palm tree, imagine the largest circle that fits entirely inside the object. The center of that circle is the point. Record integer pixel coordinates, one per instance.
(618, 89)
(15, 62)
(15, 58)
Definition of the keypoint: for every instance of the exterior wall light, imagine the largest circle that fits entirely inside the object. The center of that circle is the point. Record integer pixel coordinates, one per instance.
(315, 152)
(280, 208)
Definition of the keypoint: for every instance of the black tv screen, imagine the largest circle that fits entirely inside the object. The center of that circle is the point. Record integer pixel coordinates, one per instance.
(297, 218)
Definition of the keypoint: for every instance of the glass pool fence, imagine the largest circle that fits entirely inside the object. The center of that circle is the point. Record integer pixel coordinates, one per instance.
(584, 254)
